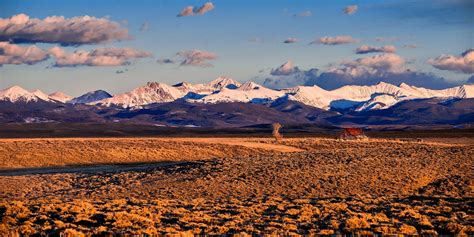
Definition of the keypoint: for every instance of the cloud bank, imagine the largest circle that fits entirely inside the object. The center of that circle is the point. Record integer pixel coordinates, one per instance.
(58, 29)
(15, 54)
(96, 57)
(365, 49)
(343, 39)
(192, 11)
(460, 64)
(389, 68)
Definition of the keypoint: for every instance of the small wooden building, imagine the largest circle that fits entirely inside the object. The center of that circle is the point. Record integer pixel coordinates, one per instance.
(352, 133)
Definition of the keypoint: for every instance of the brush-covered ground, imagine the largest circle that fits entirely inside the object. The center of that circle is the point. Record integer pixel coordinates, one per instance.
(235, 186)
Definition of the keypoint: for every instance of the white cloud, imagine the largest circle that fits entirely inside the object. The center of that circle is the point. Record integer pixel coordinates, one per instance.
(285, 69)
(304, 14)
(374, 64)
(291, 40)
(197, 58)
(15, 54)
(349, 10)
(192, 11)
(96, 57)
(58, 29)
(343, 39)
(461, 64)
(364, 49)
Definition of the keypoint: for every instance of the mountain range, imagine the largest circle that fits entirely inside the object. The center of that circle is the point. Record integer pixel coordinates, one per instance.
(225, 102)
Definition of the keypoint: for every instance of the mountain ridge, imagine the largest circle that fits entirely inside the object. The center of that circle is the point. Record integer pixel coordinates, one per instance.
(226, 90)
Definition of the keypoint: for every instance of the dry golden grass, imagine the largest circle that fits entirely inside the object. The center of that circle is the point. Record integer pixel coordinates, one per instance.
(240, 186)
(28, 153)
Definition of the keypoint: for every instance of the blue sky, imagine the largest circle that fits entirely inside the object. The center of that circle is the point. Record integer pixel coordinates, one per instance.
(435, 27)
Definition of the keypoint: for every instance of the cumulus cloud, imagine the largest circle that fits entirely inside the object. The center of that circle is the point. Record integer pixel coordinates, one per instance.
(96, 57)
(290, 40)
(349, 10)
(373, 64)
(364, 71)
(304, 14)
(285, 69)
(343, 39)
(58, 29)
(15, 54)
(461, 64)
(365, 49)
(197, 58)
(288, 75)
(192, 11)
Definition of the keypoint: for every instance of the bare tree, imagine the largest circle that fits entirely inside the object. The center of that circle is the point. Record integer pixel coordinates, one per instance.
(276, 131)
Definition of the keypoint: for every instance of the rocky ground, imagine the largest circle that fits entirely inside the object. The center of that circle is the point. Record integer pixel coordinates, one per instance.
(320, 186)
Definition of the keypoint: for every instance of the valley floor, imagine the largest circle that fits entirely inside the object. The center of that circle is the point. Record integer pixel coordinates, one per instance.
(101, 186)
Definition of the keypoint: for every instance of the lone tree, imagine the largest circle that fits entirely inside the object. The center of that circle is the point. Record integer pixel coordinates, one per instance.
(276, 131)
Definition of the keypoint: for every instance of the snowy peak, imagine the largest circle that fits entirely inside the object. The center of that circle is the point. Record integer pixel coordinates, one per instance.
(155, 92)
(361, 93)
(223, 90)
(152, 92)
(223, 82)
(60, 96)
(247, 86)
(38, 93)
(378, 101)
(18, 94)
(285, 69)
(464, 91)
(90, 97)
(248, 92)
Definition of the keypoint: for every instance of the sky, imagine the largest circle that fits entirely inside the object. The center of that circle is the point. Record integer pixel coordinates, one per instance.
(124, 44)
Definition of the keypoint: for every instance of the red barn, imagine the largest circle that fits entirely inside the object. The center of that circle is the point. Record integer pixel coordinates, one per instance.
(352, 133)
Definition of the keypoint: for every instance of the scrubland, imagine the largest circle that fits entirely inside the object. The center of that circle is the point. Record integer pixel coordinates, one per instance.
(238, 186)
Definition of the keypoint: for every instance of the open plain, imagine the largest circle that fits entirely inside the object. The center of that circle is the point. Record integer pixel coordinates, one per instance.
(193, 186)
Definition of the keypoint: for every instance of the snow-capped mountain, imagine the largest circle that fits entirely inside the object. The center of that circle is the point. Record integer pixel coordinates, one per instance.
(247, 92)
(355, 96)
(60, 96)
(344, 97)
(40, 94)
(211, 87)
(464, 91)
(379, 101)
(18, 94)
(90, 97)
(154, 92)
(226, 90)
